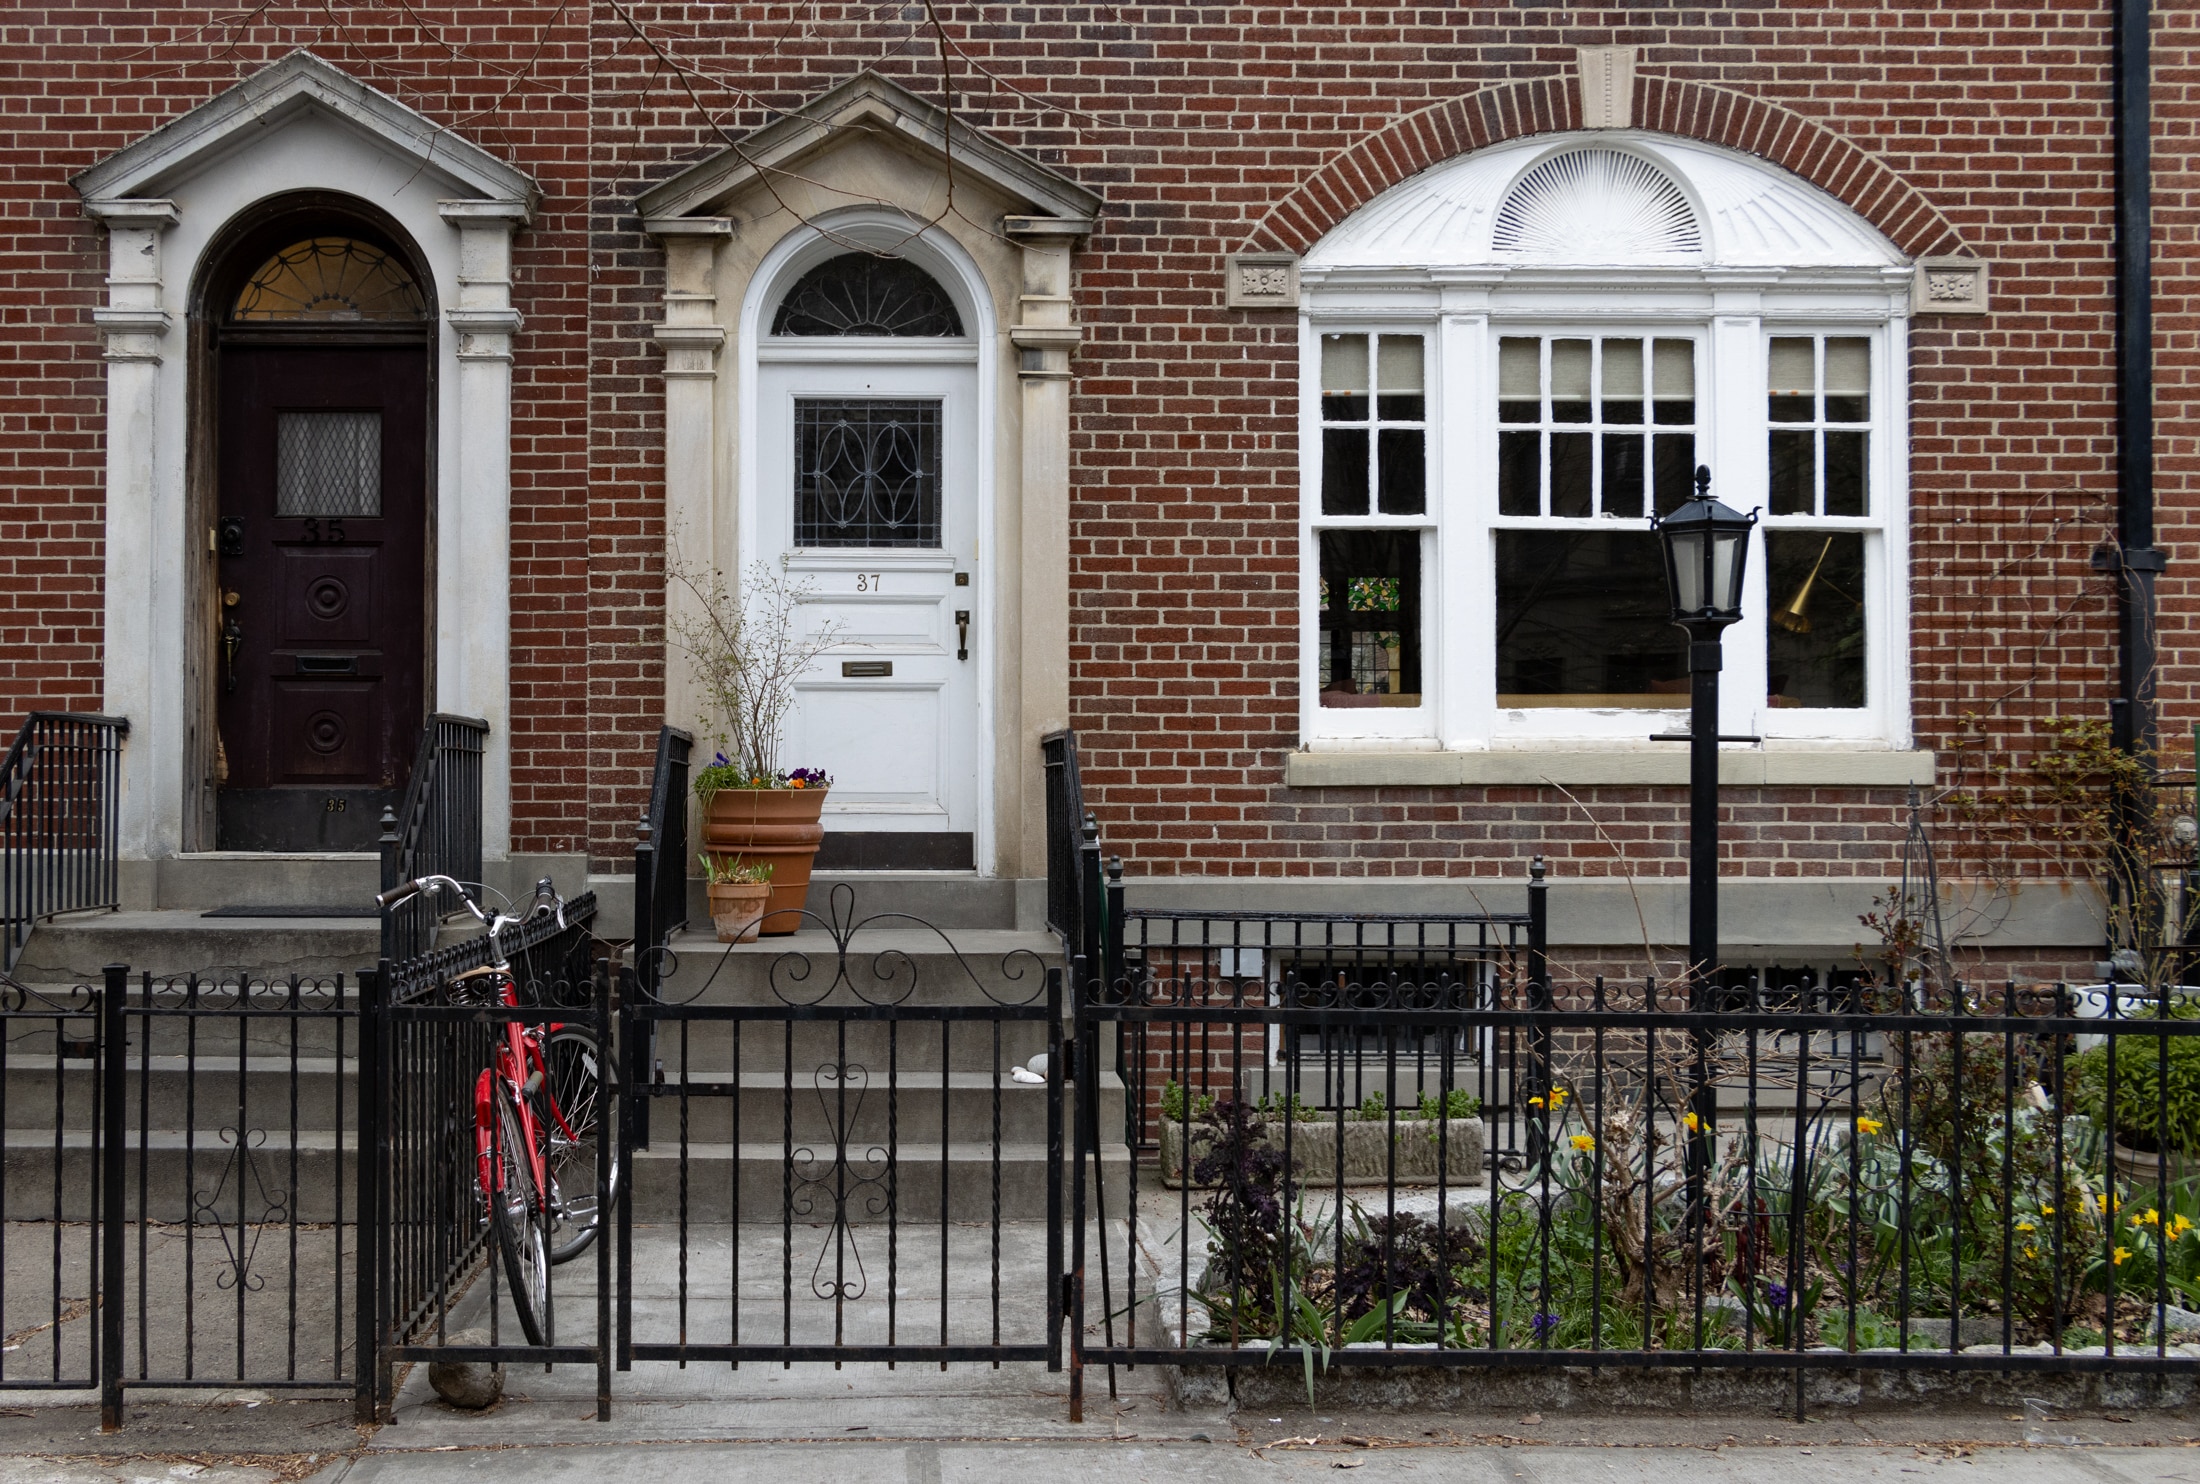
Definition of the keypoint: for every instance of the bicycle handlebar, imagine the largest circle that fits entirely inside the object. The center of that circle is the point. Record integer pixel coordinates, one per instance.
(546, 899)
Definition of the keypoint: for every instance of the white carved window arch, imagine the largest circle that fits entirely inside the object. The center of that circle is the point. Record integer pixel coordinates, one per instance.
(1509, 362)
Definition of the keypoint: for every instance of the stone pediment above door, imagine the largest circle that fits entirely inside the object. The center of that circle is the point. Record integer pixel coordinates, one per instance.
(783, 166)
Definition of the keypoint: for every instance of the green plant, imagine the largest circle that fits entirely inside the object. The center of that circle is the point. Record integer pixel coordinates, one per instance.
(1458, 1103)
(1372, 1109)
(2152, 1113)
(1172, 1104)
(725, 871)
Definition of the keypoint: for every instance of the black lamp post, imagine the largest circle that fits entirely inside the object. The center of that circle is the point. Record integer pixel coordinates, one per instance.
(1706, 547)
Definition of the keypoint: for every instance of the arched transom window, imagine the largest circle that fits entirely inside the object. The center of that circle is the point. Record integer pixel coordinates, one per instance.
(330, 280)
(861, 293)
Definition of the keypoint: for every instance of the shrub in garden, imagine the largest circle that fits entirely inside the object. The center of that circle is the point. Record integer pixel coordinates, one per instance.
(1405, 1254)
(2152, 1114)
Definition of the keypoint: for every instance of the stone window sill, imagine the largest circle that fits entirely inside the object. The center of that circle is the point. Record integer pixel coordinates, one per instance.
(1668, 766)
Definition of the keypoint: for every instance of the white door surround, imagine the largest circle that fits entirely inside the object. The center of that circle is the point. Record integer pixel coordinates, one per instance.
(869, 162)
(297, 126)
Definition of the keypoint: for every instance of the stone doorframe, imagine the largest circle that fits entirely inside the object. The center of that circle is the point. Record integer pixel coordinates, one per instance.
(297, 126)
(868, 155)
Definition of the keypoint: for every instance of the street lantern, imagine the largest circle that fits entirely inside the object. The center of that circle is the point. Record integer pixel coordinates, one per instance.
(1706, 547)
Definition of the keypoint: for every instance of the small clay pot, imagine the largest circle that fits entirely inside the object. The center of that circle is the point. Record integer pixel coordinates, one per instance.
(737, 908)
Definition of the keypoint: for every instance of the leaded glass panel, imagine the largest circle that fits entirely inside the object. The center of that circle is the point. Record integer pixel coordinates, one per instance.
(868, 472)
(330, 280)
(328, 464)
(859, 294)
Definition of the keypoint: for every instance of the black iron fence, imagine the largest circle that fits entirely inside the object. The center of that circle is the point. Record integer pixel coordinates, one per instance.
(60, 785)
(436, 832)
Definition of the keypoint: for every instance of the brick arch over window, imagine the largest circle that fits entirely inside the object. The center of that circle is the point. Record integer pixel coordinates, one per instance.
(1552, 105)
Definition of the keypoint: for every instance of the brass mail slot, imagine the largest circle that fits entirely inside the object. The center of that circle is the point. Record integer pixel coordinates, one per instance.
(865, 669)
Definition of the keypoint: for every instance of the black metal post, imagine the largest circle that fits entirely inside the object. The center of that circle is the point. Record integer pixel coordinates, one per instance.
(392, 846)
(371, 1378)
(1703, 891)
(1539, 998)
(113, 1076)
(642, 1048)
(2138, 563)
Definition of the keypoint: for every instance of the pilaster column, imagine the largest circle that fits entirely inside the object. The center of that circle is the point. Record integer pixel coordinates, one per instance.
(474, 519)
(141, 517)
(697, 539)
(1044, 335)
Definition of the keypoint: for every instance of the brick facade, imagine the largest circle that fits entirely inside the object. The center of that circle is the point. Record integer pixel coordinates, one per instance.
(1980, 128)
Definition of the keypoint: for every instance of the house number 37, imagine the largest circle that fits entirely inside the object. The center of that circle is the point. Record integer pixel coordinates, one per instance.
(870, 582)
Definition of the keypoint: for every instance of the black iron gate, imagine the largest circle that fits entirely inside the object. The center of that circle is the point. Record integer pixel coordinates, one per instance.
(856, 1154)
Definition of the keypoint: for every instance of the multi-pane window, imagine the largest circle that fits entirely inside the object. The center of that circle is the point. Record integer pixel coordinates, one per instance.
(1591, 430)
(1374, 505)
(1818, 416)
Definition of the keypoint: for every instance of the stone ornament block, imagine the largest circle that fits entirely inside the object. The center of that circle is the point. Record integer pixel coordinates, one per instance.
(1949, 286)
(1261, 280)
(1607, 86)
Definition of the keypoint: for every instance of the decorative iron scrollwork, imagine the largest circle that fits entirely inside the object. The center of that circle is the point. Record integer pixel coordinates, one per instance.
(860, 293)
(849, 1186)
(869, 472)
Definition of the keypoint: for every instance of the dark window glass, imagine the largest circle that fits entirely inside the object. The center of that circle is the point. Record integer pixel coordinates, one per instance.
(1846, 483)
(1344, 471)
(1622, 473)
(1370, 618)
(1793, 479)
(1570, 489)
(859, 294)
(1520, 473)
(1814, 636)
(1676, 469)
(330, 280)
(1583, 619)
(1401, 475)
(868, 473)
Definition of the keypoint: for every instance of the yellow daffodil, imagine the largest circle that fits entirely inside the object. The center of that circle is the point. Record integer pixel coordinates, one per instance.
(1584, 1143)
(2026, 1226)
(2151, 1218)
(2180, 1225)
(1870, 1126)
(1535, 1102)
(2047, 1210)
(2031, 1252)
(1692, 1123)
(1558, 1098)
(2121, 1254)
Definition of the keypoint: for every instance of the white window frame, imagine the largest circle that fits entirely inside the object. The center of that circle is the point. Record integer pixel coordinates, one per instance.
(1463, 324)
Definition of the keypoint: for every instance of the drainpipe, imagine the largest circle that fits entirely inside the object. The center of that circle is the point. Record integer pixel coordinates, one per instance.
(2134, 560)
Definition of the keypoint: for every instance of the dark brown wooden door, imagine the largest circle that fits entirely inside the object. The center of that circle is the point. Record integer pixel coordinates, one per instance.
(321, 540)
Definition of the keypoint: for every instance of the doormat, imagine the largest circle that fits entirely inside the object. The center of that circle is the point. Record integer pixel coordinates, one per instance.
(291, 911)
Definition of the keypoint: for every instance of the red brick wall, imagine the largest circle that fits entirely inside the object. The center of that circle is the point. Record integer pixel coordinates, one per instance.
(1980, 127)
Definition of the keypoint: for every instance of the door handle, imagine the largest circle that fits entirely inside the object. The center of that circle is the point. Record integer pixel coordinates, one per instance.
(962, 633)
(232, 639)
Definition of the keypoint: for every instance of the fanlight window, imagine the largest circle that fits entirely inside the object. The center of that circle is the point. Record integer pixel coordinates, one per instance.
(330, 280)
(859, 294)
(1596, 206)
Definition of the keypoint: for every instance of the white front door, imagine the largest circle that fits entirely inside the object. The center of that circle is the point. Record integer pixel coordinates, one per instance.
(868, 488)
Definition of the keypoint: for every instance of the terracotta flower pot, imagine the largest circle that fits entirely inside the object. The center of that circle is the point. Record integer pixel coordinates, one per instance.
(737, 908)
(769, 826)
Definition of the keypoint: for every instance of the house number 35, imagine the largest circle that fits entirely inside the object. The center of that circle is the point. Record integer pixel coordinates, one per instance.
(870, 582)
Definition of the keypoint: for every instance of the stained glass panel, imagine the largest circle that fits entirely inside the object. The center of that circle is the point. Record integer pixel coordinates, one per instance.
(330, 280)
(858, 294)
(868, 473)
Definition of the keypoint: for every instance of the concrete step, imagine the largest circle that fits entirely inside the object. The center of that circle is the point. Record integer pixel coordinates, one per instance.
(76, 950)
(923, 1184)
(897, 965)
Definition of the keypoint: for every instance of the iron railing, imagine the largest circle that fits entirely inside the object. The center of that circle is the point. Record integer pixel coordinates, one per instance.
(1074, 904)
(437, 831)
(666, 827)
(60, 785)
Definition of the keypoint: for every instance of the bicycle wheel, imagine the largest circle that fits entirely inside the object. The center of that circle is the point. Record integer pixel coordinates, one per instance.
(582, 1086)
(517, 1211)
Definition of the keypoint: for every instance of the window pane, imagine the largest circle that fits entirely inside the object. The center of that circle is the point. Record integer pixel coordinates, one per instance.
(1676, 470)
(1519, 380)
(1583, 620)
(1845, 475)
(1370, 618)
(1674, 386)
(1621, 392)
(1401, 472)
(1398, 384)
(328, 464)
(869, 473)
(1623, 474)
(1570, 473)
(1344, 471)
(1793, 476)
(1791, 381)
(1344, 378)
(1848, 380)
(1519, 474)
(1569, 381)
(1814, 637)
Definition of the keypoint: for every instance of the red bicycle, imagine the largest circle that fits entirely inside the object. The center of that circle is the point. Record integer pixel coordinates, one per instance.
(537, 1110)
